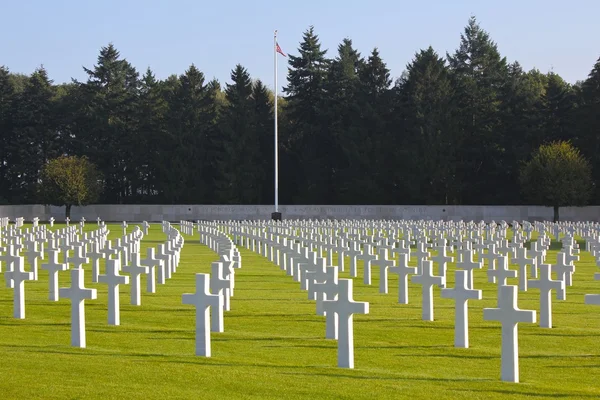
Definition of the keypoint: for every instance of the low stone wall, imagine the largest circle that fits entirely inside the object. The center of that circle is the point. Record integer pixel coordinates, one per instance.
(116, 212)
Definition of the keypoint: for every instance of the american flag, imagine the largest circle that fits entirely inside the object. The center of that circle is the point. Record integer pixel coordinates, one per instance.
(278, 49)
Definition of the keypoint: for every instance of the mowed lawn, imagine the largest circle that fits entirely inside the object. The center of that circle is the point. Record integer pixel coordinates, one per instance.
(273, 346)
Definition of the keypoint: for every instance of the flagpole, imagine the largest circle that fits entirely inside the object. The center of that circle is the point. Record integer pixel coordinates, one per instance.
(275, 115)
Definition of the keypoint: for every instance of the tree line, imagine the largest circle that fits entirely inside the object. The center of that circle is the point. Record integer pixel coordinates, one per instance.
(452, 129)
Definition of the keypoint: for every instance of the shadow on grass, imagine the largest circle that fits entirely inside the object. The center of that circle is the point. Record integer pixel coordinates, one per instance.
(393, 378)
(530, 394)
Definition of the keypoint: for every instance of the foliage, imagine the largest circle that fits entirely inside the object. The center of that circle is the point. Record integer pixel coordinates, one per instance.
(70, 180)
(557, 176)
(452, 129)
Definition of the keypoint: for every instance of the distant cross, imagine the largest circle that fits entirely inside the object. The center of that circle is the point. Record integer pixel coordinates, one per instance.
(219, 286)
(78, 260)
(367, 256)
(403, 270)
(502, 273)
(32, 257)
(522, 261)
(466, 262)
(441, 259)
(384, 263)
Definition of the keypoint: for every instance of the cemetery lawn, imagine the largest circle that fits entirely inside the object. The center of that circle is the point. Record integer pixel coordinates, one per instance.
(273, 346)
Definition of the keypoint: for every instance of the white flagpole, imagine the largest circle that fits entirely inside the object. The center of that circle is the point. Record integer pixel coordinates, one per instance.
(275, 115)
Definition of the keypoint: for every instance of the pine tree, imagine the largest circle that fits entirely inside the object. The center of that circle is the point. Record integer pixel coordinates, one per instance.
(240, 163)
(263, 127)
(429, 145)
(6, 131)
(588, 117)
(478, 74)
(106, 129)
(308, 138)
(36, 136)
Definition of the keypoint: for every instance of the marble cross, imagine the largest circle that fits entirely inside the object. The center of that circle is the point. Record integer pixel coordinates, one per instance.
(19, 276)
(78, 294)
(403, 270)
(203, 300)
(135, 269)
(113, 279)
(545, 283)
(461, 294)
(345, 308)
(509, 315)
(53, 267)
(427, 279)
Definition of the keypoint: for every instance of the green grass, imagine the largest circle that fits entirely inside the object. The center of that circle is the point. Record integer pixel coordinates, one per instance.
(273, 346)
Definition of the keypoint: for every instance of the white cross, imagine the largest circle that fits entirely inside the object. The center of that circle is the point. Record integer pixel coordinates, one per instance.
(502, 273)
(345, 307)
(11, 259)
(78, 260)
(353, 254)
(203, 300)
(164, 265)
(403, 270)
(113, 279)
(509, 316)
(367, 257)
(466, 262)
(490, 256)
(53, 266)
(522, 261)
(18, 275)
(545, 283)
(422, 254)
(135, 269)
(538, 256)
(78, 294)
(461, 295)
(98, 220)
(564, 272)
(384, 263)
(151, 262)
(441, 259)
(328, 290)
(124, 226)
(427, 280)
(95, 255)
(32, 257)
(221, 286)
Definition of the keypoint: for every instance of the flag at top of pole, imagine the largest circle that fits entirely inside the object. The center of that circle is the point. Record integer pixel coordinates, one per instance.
(276, 215)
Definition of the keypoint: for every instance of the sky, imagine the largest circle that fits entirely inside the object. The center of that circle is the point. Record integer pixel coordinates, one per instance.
(168, 36)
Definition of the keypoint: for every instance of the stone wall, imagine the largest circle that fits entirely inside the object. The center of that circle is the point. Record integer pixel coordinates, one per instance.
(112, 212)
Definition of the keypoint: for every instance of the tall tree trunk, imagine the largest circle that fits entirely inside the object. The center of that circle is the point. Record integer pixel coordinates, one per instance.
(555, 213)
(68, 211)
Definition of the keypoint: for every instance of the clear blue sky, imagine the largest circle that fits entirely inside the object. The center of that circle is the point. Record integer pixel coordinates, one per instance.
(64, 35)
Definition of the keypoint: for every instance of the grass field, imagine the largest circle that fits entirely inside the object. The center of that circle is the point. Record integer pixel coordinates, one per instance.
(273, 346)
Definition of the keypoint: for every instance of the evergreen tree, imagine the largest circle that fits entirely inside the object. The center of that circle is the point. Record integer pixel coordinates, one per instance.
(106, 128)
(309, 138)
(588, 117)
(429, 147)
(240, 163)
(35, 137)
(6, 131)
(263, 127)
(478, 74)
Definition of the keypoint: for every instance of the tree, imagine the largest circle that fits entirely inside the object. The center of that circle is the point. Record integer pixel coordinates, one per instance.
(557, 176)
(478, 72)
(70, 180)
(428, 145)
